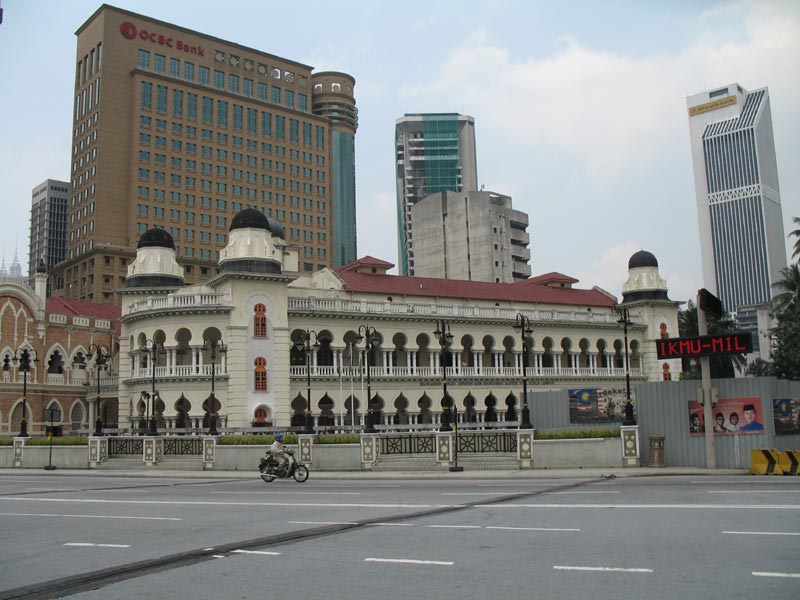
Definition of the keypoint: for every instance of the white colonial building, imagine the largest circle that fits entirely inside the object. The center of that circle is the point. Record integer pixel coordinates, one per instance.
(343, 336)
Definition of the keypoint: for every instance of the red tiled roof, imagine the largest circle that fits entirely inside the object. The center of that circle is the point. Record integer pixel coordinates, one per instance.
(83, 309)
(552, 277)
(366, 261)
(395, 285)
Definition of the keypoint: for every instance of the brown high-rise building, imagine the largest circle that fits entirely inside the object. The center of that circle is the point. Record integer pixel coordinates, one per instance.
(180, 130)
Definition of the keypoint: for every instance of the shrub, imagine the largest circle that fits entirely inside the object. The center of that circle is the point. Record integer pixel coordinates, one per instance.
(57, 441)
(577, 434)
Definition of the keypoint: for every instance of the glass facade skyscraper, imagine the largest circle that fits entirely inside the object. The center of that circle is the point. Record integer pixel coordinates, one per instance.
(434, 153)
(738, 198)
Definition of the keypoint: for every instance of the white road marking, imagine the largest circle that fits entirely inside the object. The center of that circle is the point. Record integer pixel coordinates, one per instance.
(321, 523)
(760, 533)
(765, 574)
(209, 503)
(260, 552)
(738, 492)
(454, 526)
(394, 524)
(469, 493)
(649, 506)
(88, 545)
(592, 492)
(217, 556)
(602, 569)
(407, 561)
(90, 516)
(513, 485)
(532, 528)
(295, 493)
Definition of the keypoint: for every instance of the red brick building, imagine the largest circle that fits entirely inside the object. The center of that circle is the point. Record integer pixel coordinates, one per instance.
(61, 337)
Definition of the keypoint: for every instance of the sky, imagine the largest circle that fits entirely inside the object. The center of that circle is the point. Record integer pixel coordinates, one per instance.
(579, 106)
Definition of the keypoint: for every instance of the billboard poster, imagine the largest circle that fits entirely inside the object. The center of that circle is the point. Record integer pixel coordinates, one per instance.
(732, 416)
(597, 405)
(786, 414)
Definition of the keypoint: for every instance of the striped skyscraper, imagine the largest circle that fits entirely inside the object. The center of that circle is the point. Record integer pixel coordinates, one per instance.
(738, 198)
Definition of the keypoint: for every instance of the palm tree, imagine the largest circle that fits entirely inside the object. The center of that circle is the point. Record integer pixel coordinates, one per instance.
(796, 234)
(791, 286)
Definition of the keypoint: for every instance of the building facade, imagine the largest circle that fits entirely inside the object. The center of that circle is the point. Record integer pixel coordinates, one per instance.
(180, 130)
(356, 340)
(738, 197)
(476, 236)
(433, 153)
(48, 243)
(61, 337)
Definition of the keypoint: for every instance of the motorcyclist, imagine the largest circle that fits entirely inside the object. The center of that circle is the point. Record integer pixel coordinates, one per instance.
(279, 452)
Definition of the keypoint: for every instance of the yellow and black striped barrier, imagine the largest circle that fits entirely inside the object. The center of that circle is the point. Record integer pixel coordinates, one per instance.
(789, 461)
(765, 462)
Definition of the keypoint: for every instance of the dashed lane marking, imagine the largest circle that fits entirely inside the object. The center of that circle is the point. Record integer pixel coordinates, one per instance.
(766, 574)
(89, 545)
(408, 561)
(259, 552)
(602, 569)
(761, 533)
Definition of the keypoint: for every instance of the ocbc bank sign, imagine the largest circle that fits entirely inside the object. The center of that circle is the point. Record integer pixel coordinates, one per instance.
(130, 32)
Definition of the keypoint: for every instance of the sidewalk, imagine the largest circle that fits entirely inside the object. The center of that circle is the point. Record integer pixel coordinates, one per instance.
(408, 475)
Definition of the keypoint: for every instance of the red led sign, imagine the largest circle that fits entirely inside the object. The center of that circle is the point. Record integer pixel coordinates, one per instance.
(705, 345)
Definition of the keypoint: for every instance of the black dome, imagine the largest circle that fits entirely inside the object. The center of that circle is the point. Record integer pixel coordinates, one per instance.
(250, 218)
(255, 219)
(642, 258)
(156, 238)
(41, 268)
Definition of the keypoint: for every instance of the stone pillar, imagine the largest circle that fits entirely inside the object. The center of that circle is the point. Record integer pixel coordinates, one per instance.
(19, 447)
(525, 448)
(369, 451)
(153, 450)
(444, 447)
(98, 451)
(305, 445)
(631, 456)
(209, 452)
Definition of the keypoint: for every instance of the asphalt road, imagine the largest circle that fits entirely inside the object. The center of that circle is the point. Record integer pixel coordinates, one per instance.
(90, 537)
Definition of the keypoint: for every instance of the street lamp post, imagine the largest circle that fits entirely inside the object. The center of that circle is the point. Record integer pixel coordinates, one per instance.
(306, 343)
(523, 325)
(102, 355)
(213, 403)
(445, 338)
(625, 321)
(23, 363)
(370, 335)
(154, 349)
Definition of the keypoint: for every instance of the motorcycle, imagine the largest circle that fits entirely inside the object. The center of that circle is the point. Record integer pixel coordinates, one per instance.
(270, 471)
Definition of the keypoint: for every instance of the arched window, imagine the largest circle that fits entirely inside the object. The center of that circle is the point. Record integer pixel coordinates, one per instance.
(260, 375)
(260, 321)
(76, 416)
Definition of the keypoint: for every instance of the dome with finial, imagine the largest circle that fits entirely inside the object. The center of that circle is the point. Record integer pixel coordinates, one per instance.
(41, 267)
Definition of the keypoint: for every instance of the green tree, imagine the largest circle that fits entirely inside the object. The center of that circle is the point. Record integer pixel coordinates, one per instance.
(796, 234)
(786, 342)
(790, 284)
(722, 365)
(760, 368)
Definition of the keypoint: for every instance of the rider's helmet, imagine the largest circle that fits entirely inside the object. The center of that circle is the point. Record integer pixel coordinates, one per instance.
(278, 437)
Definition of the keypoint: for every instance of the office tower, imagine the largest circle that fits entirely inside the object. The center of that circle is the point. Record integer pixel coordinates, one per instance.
(48, 241)
(434, 153)
(475, 236)
(738, 198)
(180, 130)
